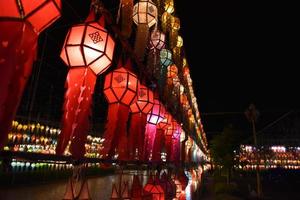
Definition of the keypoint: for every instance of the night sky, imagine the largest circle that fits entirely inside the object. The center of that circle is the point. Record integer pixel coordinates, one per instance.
(237, 55)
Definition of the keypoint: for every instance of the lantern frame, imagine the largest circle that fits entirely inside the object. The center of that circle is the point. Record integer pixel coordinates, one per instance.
(145, 12)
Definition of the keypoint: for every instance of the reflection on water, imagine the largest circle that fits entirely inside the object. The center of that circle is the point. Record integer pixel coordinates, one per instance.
(100, 188)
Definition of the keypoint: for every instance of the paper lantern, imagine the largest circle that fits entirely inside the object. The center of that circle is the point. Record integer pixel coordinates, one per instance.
(39, 13)
(89, 45)
(165, 57)
(20, 24)
(172, 71)
(144, 16)
(157, 40)
(156, 44)
(139, 110)
(169, 6)
(174, 28)
(88, 51)
(153, 118)
(179, 41)
(170, 130)
(120, 87)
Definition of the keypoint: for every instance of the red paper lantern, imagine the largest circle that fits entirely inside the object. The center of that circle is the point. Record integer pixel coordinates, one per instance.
(39, 13)
(89, 45)
(120, 89)
(139, 110)
(157, 113)
(153, 118)
(20, 23)
(88, 50)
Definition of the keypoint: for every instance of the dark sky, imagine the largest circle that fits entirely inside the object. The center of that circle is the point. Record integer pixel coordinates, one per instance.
(240, 54)
(237, 53)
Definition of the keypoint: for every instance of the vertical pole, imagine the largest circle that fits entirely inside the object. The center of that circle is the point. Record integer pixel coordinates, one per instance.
(259, 192)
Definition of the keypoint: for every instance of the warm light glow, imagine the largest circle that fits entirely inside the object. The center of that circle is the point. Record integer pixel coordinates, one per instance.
(145, 12)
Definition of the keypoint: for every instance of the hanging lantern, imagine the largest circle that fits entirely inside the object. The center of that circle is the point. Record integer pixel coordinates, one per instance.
(20, 24)
(159, 137)
(169, 6)
(179, 41)
(120, 89)
(88, 51)
(144, 16)
(177, 51)
(139, 110)
(153, 118)
(174, 28)
(170, 130)
(175, 154)
(172, 71)
(165, 57)
(157, 40)
(126, 13)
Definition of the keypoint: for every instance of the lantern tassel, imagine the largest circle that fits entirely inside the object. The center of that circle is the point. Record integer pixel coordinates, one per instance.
(116, 132)
(158, 144)
(127, 12)
(17, 53)
(149, 140)
(141, 41)
(80, 85)
(136, 135)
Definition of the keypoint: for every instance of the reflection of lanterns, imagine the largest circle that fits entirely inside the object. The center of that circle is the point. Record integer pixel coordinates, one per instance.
(20, 24)
(120, 89)
(88, 51)
(169, 6)
(139, 110)
(154, 189)
(165, 57)
(144, 16)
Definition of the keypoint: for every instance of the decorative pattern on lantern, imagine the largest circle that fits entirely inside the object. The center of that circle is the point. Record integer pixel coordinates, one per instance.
(20, 24)
(120, 89)
(155, 116)
(88, 51)
(89, 45)
(154, 189)
(144, 16)
(40, 14)
(139, 110)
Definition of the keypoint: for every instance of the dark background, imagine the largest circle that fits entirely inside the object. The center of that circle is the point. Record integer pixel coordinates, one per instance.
(239, 53)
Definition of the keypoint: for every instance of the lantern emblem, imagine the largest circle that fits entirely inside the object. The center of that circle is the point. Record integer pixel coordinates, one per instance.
(89, 45)
(145, 100)
(39, 13)
(120, 86)
(165, 57)
(145, 12)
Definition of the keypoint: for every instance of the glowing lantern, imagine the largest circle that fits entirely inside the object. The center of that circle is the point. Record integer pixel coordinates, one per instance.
(175, 154)
(179, 41)
(120, 89)
(139, 110)
(20, 24)
(88, 51)
(154, 189)
(169, 6)
(89, 45)
(186, 71)
(174, 28)
(159, 137)
(171, 129)
(172, 71)
(157, 40)
(165, 57)
(144, 16)
(155, 116)
(177, 51)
